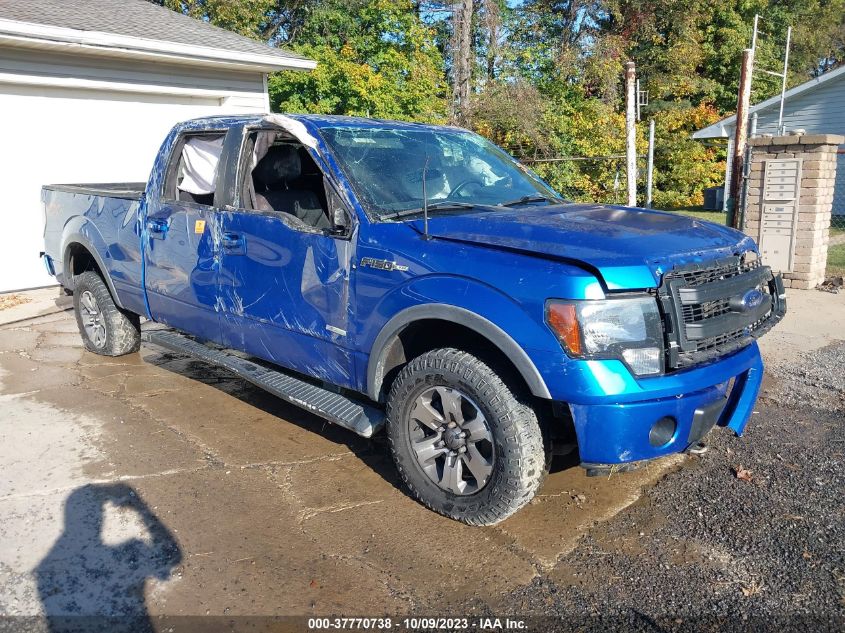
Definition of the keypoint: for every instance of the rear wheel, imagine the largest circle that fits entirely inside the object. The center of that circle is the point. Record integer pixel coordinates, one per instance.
(105, 328)
(464, 445)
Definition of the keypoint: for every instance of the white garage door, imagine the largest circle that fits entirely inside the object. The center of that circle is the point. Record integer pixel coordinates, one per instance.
(58, 135)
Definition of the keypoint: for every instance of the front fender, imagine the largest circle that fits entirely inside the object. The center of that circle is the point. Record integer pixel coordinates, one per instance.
(467, 302)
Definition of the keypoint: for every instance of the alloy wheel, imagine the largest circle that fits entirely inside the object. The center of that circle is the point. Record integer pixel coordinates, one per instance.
(93, 320)
(451, 440)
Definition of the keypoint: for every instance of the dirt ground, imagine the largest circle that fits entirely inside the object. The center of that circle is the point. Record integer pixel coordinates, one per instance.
(155, 485)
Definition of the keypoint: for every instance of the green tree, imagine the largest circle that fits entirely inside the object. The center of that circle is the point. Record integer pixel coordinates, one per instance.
(374, 58)
(258, 19)
(545, 80)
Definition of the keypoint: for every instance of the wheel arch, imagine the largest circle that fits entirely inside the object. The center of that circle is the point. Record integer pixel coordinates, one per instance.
(388, 350)
(79, 254)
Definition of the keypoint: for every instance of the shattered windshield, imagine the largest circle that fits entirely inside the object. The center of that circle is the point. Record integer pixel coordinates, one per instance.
(462, 170)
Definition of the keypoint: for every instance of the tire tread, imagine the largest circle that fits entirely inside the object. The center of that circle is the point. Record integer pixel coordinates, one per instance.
(123, 329)
(522, 439)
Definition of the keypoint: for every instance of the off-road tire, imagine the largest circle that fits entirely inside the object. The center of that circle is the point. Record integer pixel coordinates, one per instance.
(122, 329)
(519, 466)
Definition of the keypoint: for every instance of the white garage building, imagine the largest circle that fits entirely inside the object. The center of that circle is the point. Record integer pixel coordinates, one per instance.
(88, 90)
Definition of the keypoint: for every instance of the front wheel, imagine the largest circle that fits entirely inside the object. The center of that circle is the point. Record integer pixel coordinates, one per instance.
(105, 329)
(462, 442)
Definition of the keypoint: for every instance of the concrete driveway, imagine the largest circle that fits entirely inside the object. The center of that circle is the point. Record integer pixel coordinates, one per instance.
(272, 511)
(153, 484)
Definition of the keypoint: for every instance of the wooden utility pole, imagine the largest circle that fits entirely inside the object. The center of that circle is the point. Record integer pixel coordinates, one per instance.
(631, 131)
(493, 23)
(461, 58)
(743, 102)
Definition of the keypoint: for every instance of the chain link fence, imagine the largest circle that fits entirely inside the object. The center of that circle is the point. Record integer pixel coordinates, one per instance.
(836, 246)
(837, 220)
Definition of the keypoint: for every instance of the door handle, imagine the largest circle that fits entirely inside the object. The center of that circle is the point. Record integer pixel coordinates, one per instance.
(157, 225)
(233, 241)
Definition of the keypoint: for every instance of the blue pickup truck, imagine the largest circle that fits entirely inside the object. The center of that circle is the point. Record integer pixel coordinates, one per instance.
(416, 277)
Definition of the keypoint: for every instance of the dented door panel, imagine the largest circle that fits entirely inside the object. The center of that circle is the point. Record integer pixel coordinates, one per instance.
(284, 295)
(181, 267)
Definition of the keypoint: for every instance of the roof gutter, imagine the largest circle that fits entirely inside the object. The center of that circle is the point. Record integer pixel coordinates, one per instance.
(27, 34)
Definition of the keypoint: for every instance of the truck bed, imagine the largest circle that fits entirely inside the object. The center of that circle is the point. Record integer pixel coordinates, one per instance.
(103, 220)
(125, 190)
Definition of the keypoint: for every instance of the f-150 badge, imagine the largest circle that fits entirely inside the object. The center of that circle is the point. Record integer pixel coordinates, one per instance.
(381, 264)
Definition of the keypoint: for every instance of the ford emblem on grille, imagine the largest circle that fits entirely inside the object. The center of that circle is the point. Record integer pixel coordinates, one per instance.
(752, 299)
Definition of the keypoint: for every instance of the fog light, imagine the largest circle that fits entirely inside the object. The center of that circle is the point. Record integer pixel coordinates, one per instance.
(643, 360)
(663, 431)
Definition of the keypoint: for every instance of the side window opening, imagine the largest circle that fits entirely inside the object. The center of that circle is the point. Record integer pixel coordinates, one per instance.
(285, 180)
(192, 177)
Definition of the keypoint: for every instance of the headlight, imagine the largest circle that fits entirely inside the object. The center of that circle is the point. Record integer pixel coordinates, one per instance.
(628, 329)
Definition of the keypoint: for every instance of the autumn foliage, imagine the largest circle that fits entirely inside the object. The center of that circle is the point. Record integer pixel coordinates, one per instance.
(545, 74)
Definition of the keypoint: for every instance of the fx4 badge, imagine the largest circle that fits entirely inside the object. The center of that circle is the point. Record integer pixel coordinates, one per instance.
(381, 264)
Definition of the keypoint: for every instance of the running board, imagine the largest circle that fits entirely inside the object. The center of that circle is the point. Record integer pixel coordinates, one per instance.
(359, 418)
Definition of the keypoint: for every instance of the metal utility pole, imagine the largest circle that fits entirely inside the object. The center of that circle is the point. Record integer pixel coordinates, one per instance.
(650, 172)
(630, 131)
(783, 84)
(742, 104)
(726, 195)
(756, 30)
(638, 100)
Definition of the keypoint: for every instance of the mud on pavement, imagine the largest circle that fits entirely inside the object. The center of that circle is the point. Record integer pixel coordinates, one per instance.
(261, 507)
(153, 485)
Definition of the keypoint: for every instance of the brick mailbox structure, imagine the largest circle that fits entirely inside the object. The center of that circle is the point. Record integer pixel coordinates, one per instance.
(788, 203)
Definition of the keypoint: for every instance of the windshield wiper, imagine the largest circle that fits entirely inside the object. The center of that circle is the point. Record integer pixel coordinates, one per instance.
(528, 199)
(443, 205)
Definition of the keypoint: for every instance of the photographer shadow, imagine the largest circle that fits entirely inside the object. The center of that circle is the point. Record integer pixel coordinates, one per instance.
(86, 584)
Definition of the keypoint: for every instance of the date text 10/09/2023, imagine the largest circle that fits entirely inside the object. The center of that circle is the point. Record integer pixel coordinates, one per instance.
(417, 624)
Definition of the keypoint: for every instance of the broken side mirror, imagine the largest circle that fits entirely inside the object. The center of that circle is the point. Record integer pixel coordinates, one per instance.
(341, 222)
(340, 219)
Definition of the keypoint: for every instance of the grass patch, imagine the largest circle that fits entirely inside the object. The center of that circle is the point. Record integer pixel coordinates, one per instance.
(719, 217)
(836, 260)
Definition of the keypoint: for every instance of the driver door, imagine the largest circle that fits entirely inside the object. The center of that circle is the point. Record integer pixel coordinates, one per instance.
(283, 289)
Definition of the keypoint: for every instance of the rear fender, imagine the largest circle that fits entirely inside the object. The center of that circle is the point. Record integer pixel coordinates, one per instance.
(80, 230)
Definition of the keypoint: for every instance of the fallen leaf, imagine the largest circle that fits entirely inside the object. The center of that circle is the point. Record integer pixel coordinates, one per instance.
(743, 473)
(752, 589)
(10, 301)
(314, 584)
(807, 555)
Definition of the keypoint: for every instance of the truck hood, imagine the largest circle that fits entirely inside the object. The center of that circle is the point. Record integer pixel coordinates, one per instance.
(629, 248)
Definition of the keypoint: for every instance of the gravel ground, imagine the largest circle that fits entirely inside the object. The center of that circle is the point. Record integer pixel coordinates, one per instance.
(707, 549)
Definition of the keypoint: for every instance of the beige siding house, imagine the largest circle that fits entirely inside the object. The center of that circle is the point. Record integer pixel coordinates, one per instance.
(88, 90)
(816, 106)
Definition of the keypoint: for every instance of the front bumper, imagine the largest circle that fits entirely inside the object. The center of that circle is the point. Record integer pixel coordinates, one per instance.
(723, 393)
